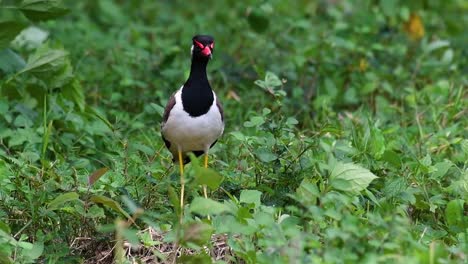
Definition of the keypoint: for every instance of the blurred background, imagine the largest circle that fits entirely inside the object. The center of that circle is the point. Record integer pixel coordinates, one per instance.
(307, 86)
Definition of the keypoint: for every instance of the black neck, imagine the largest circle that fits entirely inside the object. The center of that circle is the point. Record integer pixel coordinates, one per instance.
(197, 96)
(198, 70)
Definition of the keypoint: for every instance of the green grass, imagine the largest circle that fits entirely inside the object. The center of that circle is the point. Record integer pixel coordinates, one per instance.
(345, 140)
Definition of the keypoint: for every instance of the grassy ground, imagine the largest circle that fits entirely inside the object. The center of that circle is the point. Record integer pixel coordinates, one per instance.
(345, 140)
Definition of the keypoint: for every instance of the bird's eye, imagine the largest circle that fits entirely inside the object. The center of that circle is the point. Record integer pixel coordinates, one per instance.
(201, 46)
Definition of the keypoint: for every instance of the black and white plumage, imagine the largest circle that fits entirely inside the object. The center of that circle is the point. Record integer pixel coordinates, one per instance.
(193, 119)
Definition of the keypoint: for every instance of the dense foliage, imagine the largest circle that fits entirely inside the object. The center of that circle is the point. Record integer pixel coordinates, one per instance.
(345, 140)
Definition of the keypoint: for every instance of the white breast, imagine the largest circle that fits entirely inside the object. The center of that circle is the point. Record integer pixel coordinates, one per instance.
(192, 133)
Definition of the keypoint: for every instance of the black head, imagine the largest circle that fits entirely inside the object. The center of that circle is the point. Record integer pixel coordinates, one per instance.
(202, 46)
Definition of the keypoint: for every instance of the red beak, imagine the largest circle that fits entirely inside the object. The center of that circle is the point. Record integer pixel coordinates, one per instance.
(206, 51)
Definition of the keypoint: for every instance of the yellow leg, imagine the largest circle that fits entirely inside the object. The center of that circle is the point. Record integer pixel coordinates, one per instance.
(204, 186)
(182, 183)
(206, 166)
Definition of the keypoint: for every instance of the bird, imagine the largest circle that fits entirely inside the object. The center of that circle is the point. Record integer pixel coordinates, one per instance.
(193, 118)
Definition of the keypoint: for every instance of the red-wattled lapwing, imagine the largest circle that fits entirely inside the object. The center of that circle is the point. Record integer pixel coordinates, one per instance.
(193, 119)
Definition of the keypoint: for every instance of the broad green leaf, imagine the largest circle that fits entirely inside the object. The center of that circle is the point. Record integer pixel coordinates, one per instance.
(271, 80)
(350, 177)
(110, 203)
(307, 192)
(454, 212)
(25, 245)
(95, 212)
(4, 227)
(61, 199)
(435, 45)
(204, 206)
(291, 121)
(208, 177)
(36, 250)
(265, 219)
(265, 155)
(8, 31)
(45, 60)
(250, 196)
(96, 175)
(254, 121)
(10, 62)
(38, 10)
(391, 157)
(238, 135)
(441, 168)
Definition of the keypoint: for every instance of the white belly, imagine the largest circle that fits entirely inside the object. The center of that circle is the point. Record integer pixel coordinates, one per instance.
(192, 133)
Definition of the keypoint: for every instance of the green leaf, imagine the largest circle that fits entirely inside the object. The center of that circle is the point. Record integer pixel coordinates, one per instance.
(38, 10)
(110, 203)
(255, 121)
(391, 157)
(350, 177)
(204, 206)
(95, 212)
(454, 212)
(63, 198)
(441, 168)
(435, 45)
(208, 177)
(96, 175)
(265, 155)
(307, 192)
(8, 31)
(271, 80)
(250, 196)
(45, 60)
(238, 135)
(36, 250)
(74, 92)
(377, 144)
(4, 227)
(10, 62)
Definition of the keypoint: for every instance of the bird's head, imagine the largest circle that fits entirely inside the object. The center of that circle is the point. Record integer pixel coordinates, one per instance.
(202, 46)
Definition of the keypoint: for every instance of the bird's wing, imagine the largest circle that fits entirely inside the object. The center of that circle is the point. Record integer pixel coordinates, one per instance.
(220, 107)
(170, 104)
